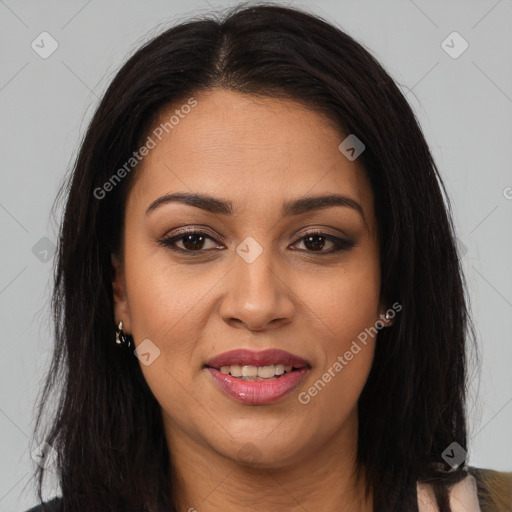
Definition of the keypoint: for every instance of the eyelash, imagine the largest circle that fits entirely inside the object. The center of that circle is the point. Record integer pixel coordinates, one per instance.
(169, 242)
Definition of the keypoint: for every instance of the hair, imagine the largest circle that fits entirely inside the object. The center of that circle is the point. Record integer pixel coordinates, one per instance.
(107, 429)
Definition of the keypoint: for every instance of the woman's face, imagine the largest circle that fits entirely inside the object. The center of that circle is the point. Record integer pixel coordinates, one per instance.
(254, 280)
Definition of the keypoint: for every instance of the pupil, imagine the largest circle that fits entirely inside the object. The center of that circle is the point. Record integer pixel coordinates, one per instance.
(190, 241)
(193, 242)
(308, 240)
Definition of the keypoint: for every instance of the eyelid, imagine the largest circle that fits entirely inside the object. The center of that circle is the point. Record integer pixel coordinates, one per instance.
(340, 243)
(324, 231)
(199, 230)
(168, 241)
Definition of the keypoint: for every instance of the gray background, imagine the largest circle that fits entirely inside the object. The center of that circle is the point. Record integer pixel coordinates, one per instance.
(463, 104)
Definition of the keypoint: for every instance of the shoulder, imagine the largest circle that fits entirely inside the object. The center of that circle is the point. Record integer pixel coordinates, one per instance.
(482, 490)
(55, 505)
(494, 489)
(462, 496)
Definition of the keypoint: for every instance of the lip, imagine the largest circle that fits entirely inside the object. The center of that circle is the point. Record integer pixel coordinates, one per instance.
(245, 357)
(257, 392)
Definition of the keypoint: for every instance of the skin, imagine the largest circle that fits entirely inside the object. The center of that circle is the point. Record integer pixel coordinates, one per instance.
(256, 152)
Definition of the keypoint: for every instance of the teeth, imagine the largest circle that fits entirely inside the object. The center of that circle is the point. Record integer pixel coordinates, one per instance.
(255, 372)
(280, 369)
(249, 371)
(265, 372)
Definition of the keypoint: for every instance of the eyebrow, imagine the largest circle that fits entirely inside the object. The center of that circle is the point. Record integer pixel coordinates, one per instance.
(289, 208)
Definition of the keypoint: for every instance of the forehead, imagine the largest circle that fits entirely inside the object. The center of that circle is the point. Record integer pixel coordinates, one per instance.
(258, 151)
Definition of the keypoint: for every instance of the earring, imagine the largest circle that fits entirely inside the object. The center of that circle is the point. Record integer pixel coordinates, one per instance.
(380, 324)
(122, 339)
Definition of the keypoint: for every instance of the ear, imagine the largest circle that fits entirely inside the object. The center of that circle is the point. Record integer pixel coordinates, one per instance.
(382, 314)
(121, 307)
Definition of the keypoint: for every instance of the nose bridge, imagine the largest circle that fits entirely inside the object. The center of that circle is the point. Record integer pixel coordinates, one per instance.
(257, 294)
(254, 266)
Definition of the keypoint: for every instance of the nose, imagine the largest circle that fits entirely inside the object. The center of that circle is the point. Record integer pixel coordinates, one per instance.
(258, 296)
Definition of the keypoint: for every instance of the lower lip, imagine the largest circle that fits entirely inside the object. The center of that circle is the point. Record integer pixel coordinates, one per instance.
(257, 392)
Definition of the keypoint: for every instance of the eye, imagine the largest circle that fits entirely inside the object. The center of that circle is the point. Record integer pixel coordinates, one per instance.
(193, 241)
(315, 241)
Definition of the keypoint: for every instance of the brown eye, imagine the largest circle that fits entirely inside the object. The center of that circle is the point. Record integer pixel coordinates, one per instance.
(316, 242)
(192, 241)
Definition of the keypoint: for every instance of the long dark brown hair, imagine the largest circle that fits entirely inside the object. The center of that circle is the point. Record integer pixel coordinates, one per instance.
(107, 427)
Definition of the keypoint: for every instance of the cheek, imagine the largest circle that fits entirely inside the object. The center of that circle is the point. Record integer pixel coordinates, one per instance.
(344, 300)
(169, 304)
(347, 339)
(165, 307)
(164, 296)
(344, 324)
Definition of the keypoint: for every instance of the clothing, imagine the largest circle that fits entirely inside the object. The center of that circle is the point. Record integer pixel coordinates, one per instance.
(463, 497)
(55, 505)
(469, 495)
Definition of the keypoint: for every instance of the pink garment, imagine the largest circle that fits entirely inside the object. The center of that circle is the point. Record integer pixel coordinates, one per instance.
(463, 497)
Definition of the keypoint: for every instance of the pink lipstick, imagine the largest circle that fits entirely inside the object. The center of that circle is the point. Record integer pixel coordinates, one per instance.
(257, 378)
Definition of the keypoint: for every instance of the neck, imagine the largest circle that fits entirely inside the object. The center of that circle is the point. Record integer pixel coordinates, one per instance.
(323, 478)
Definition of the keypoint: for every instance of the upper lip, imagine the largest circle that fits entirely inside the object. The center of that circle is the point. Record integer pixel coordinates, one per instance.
(244, 357)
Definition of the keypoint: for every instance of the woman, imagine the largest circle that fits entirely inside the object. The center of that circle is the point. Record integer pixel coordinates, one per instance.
(258, 300)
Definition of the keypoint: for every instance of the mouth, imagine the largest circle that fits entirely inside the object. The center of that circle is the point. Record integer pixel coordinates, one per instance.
(257, 378)
(256, 373)
(260, 359)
